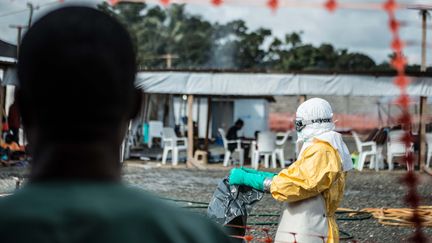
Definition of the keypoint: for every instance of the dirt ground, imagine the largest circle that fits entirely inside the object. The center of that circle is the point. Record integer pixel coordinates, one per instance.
(363, 190)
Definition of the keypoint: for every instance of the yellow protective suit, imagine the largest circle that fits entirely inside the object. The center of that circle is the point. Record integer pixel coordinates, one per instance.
(318, 171)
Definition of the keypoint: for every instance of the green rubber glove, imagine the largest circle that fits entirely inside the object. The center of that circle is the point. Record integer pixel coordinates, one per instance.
(252, 171)
(241, 177)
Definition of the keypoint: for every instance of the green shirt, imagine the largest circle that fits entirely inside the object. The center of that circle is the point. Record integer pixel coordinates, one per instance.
(98, 212)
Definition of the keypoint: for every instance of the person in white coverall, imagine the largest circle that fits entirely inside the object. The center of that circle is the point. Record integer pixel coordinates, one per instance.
(312, 187)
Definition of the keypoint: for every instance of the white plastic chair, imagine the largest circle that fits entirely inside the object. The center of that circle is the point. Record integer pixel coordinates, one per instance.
(429, 148)
(297, 145)
(266, 146)
(396, 148)
(279, 151)
(172, 143)
(155, 131)
(363, 152)
(228, 153)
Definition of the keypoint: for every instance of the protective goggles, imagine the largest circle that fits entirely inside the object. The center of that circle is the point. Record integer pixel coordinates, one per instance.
(300, 124)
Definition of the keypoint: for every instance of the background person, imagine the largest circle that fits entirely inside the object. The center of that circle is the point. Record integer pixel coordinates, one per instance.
(78, 62)
(232, 133)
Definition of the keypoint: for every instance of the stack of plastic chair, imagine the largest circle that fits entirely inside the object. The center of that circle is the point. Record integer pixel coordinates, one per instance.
(238, 149)
(379, 136)
(266, 146)
(363, 152)
(173, 144)
(396, 147)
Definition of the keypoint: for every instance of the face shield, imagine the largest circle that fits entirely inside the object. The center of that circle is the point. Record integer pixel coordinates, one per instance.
(300, 124)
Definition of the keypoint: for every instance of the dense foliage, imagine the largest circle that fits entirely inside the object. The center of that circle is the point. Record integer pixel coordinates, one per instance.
(193, 42)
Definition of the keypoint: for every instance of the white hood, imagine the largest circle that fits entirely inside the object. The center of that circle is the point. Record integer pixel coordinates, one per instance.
(317, 108)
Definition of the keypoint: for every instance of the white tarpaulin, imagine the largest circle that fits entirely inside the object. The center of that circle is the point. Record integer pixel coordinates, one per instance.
(263, 84)
(260, 84)
(7, 60)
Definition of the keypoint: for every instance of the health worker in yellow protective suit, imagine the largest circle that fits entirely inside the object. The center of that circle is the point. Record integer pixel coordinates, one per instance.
(312, 187)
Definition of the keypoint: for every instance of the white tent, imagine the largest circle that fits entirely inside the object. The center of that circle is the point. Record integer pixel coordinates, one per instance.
(263, 84)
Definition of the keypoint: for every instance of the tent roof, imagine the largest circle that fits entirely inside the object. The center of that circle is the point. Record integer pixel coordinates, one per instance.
(265, 84)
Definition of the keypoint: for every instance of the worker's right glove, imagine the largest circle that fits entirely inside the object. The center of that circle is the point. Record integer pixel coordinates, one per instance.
(254, 179)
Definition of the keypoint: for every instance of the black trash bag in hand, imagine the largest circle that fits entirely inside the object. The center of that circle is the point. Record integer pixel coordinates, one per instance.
(231, 204)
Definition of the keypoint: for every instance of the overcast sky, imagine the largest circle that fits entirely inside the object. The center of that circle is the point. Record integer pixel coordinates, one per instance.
(357, 30)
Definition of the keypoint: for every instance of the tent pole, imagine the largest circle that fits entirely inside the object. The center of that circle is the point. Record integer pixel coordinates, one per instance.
(424, 14)
(198, 102)
(190, 134)
(389, 115)
(422, 133)
(422, 124)
(379, 115)
(147, 108)
(206, 144)
(165, 119)
(2, 105)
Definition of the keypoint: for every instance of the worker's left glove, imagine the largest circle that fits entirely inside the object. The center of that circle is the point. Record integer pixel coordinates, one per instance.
(238, 176)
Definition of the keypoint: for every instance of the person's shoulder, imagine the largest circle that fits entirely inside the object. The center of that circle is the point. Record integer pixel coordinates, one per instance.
(320, 146)
(201, 229)
(17, 205)
(128, 208)
(324, 152)
(4, 201)
(191, 227)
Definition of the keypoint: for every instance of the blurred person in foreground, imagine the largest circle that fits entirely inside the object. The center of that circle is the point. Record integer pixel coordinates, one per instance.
(78, 62)
(312, 187)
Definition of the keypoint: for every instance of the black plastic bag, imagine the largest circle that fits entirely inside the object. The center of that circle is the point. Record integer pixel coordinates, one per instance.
(231, 204)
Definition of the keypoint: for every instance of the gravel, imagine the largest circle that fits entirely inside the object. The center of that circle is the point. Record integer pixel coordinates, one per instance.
(363, 190)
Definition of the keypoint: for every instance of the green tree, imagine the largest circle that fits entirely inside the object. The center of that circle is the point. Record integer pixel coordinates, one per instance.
(274, 52)
(197, 43)
(354, 62)
(294, 39)
(250, 52)
(158, 32)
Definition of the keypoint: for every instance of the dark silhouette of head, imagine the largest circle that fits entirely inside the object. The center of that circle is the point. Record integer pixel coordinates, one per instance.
(239, 123)
(76, 70)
